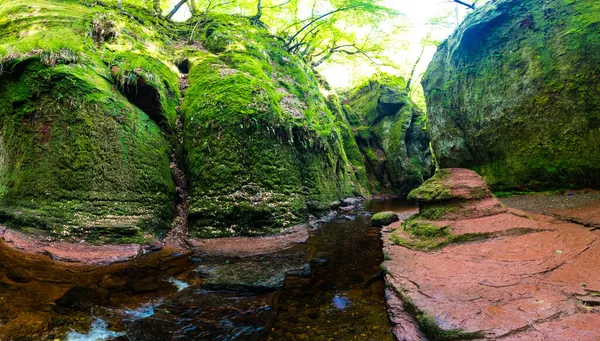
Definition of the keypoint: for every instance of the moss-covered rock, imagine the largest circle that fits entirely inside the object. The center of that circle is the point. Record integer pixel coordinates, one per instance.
(390, 133)
(89, 125)
(384, 218)
(514, 94)
(78, 158)
(263, 147)
(451, 184)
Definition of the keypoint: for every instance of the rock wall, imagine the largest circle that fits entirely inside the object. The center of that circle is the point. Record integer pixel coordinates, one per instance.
(89, 127)
(514, 95)
(263, 148)
(78, 159)
(103, 108)
(390, 133)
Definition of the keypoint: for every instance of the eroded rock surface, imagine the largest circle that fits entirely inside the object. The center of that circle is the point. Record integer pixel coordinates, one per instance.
(496, 274)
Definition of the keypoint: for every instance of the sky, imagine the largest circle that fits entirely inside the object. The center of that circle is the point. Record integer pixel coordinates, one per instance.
(416, 14)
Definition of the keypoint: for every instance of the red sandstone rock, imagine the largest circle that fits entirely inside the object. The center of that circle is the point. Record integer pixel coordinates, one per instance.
(250, 246)
(533, 278)
(588, 215)
(451, 184)
(71, 252)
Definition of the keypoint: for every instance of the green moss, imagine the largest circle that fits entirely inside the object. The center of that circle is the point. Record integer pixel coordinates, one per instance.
(523, 113)
(263, 147)
(436, 212)
(433, 189)
(79, 161)
(423, 235)
(384, 218)
(76, 148)
(390, 132)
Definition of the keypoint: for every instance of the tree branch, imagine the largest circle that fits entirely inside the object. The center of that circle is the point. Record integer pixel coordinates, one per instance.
(319, 18)
(176, 8)
(471, 6)
(280, 5)
(258, 15)
(414, 68)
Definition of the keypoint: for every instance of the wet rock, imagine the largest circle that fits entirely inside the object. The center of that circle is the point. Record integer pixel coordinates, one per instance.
(82, 298)
(208, 315)
(255, 275)
(20, 275)
(384, 218)
(352, 201)
(145, 285)
(404, 326)
(346, 208)
(25, 327)
(251, 246)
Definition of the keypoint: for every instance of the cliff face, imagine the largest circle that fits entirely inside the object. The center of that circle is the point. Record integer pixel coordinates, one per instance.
(89, 126)
(263, 149)
(116, 122)
(78, 158)
(514, 95)
(390, 132)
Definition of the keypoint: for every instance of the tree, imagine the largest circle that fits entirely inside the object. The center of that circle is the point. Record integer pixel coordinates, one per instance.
(321, 36)
(331, 27)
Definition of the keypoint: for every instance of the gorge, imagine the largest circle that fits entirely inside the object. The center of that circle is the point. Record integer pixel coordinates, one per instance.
(201, 180)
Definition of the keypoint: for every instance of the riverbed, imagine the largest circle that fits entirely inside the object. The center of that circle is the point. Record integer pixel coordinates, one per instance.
(331, 289)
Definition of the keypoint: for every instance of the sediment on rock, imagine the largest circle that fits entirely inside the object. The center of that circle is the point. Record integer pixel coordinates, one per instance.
(178, 233)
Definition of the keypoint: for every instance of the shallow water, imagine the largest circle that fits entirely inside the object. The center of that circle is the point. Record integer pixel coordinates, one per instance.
(342, 298)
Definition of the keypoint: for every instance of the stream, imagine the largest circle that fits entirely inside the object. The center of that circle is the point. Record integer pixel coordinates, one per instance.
(335, 293)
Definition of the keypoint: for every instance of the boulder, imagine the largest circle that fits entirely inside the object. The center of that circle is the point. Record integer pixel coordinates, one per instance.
(449, 184)
(384, 218)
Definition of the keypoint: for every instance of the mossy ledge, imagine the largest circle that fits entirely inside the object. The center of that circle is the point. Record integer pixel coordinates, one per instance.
(417, 233)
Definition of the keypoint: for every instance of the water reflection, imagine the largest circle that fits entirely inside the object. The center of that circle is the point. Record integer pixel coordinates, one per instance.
(161, 297)
(341, 302)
